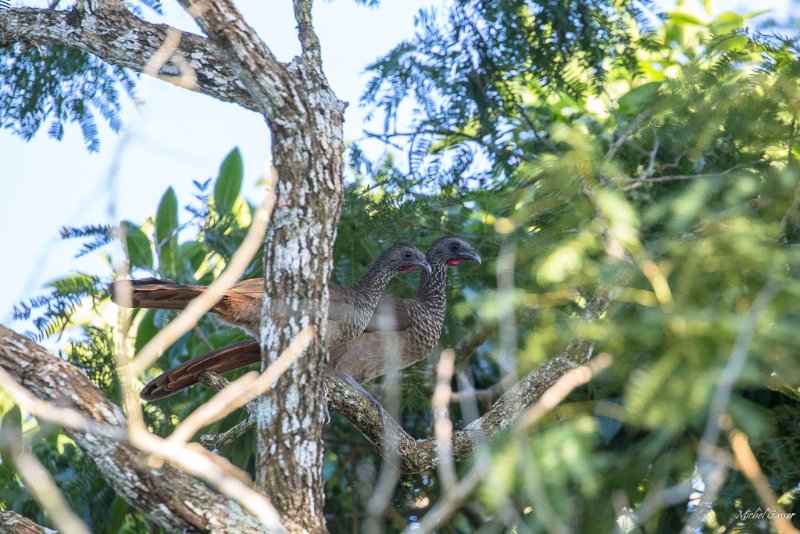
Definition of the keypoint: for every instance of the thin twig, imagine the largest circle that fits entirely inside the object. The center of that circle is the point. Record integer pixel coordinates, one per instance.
(748, 464)
(710, 463)
(240, 391)
(442, 424)
(641, 117)
(41, 485)
(684, 177)
(652, 161)
(223, 439)
(389, 473)
(202, 337)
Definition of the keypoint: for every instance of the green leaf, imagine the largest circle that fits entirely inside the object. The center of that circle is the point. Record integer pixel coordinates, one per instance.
(140, 253)
(193, 254)
(680, 18)
(229, 181)
(727, 22)
(639, 98)
(147, 329)
(166, 232)
(10, 434)
(167, 216)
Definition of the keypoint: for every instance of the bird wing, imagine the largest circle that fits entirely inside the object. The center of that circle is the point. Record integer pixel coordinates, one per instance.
(370, 355)
(340, 303)
(253, 288)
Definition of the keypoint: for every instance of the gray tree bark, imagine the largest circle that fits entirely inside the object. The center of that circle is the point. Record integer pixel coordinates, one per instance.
(305, 119)
(167, 496)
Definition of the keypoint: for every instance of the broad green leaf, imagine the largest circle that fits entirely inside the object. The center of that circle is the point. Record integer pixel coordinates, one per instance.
(147, 329)
(682, 17)
(140, 253)
(229, 181)
(10, 434)
(727, 22)
(166, 230)
(167, 216)
(193, 253)
(639, 98)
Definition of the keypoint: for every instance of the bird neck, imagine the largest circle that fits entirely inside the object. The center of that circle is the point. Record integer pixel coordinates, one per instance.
(374, 280)
(432, 286)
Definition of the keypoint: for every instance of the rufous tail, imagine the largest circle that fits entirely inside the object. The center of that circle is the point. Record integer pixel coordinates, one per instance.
(188, 373)
(156, 294)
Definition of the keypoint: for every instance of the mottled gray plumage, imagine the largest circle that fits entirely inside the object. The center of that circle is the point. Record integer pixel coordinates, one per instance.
(404, 331)
(349, 311)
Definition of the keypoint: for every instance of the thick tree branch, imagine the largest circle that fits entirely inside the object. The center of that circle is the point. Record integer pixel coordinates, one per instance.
(166, 495)
(420, 455)
(120, 38)
(13, 523)
(268, 80)
(305, 29)
(417, 455)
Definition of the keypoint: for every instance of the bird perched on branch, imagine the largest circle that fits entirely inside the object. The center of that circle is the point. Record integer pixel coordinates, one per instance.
(401, 332)
(349, 308)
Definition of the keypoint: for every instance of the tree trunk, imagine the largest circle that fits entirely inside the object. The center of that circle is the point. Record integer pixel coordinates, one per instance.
(298, 254)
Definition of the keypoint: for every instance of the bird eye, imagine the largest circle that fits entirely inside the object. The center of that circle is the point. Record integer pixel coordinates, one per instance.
(454, 246)
(408, 255)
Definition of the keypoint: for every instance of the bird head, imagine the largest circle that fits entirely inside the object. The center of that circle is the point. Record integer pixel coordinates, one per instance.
(452, 251)
(405, 257)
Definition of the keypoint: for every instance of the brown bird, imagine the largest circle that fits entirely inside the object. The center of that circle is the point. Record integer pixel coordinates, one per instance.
(349, 309)
(401, 331)
(404, 331)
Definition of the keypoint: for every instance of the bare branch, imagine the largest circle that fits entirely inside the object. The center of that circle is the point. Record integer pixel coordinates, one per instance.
(748, 464)
(166, 495)
(684, 177)
(13, 523)
(627, 132)
(266, 79)
(442, 424)
(305, 30)
(120, 38)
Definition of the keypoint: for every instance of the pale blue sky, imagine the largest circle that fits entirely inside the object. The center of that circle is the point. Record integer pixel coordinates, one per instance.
(180, 136)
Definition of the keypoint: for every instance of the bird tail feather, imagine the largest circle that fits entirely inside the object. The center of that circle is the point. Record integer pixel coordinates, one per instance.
(156, 294)
(188, 373)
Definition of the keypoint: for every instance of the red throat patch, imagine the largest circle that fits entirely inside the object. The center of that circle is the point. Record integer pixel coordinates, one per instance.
(410, 268)
(455, 262)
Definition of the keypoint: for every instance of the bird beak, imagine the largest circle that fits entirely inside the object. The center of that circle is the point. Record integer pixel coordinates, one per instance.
(423, 265)
(471, 255)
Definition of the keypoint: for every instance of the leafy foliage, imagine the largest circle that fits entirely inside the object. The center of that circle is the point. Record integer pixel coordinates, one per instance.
(56, 85)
